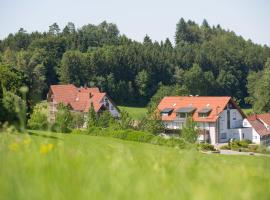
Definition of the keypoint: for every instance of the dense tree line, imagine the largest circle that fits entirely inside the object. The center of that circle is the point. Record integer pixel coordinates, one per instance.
(204, 60)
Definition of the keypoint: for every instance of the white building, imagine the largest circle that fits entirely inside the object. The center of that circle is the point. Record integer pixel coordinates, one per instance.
(259, 128)
(218, 118)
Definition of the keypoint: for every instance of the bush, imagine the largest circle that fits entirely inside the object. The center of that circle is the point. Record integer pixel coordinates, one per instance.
(172, 142)
(206, 147)
(253, 147)
(39, 118)
(235, 144)
(78, 131)
(189, 132)
(133, 135)
(139, 136)
(63, 119)
(77, 120)
(263, 149)
(225, 147)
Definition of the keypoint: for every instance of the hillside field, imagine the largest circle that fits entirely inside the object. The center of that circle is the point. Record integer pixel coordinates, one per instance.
(136, 113)
(68, 166)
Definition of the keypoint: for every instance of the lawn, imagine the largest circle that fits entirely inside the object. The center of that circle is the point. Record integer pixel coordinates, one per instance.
(247, 111)
(68, 166)
(136, 113)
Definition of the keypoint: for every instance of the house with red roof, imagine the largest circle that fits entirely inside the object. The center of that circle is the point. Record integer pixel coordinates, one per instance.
(218, 119)
(259, 128)
(80, 100)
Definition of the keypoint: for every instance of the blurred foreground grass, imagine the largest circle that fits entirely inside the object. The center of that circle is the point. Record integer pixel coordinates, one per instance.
(66, 166)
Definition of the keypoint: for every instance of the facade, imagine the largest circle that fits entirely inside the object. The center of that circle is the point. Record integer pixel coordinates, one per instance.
(218, 119)
(259, 128)
(79, 100)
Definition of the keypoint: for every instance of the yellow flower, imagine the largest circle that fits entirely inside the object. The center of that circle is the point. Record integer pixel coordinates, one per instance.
(45, 148)
(14, 146)
(50, 147)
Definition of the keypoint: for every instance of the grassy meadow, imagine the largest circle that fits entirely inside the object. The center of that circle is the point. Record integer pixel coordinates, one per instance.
(136, 113)
(68, 166)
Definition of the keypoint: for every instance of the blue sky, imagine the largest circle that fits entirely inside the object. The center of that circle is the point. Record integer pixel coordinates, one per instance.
(249, 18)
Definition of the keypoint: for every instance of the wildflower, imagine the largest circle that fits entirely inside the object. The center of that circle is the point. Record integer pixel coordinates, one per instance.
(14, 146)
(50, 147)
(45, 148)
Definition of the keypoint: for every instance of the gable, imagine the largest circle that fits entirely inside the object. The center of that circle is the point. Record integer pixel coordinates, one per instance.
(78, 98)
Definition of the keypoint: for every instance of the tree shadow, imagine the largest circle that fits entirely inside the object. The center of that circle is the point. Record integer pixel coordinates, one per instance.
(45, 136)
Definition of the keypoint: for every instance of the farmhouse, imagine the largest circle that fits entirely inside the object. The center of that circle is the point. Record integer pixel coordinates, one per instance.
(79, 100)
(218, 119)
(259, 128)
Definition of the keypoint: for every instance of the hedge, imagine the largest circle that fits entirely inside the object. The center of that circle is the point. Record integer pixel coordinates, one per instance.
(137, 136)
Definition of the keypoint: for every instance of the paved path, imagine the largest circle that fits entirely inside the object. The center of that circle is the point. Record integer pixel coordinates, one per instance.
(230, 152)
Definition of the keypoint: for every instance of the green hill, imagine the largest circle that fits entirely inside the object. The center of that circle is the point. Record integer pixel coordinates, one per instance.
(136, 113)
(66, 166)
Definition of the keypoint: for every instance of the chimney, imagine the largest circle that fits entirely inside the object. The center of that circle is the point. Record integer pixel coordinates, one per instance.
(90, 95)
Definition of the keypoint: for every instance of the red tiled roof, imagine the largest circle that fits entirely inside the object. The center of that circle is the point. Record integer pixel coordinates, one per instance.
(265, 118)
(257, 124)
(78, 98)
(217, 105)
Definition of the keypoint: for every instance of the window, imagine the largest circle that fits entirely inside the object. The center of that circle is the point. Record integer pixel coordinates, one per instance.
(255, 137)
(228, 119)
(203, 114)
(243, 136)
(176, 125)
(234, 115)
(223, 136)
(182, 115)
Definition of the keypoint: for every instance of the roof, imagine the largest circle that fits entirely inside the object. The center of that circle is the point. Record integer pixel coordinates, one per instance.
(167, 110)
(185, 110)
(265, 118)
(78, 98)
(205, 110)
(216, 104)
(257, 124)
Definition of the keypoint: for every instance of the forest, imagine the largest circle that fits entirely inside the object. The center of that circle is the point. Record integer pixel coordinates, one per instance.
(202, 60)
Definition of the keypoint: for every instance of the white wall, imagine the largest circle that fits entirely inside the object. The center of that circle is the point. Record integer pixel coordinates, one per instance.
(236, 122)
(212, 132)
(251, 134)
(112, 108)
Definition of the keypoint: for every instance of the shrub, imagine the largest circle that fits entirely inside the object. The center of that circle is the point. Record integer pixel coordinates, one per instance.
(235, 144)
(39, 118)
(263, 149)
(77, 120)
(225, 147)
(126, 121)
(133, 135)
(78, 131)
(63, 119)
(139, 136)
(189, 132)
(172, 142)
(253, 147)
(206, 147)
(244, 143)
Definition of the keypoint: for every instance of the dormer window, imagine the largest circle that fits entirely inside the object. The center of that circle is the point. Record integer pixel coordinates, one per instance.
(185, 112)
(166, 111)
(204, 112)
